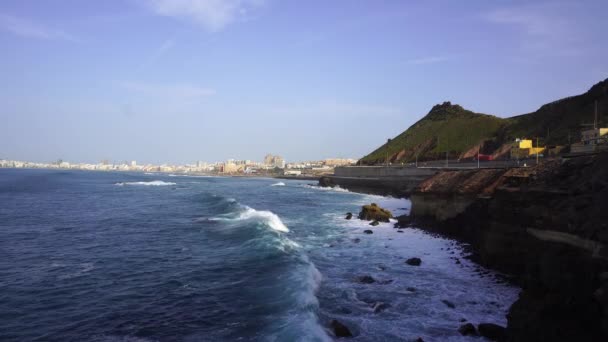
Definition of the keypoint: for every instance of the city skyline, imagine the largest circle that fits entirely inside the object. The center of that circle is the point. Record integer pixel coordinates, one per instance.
(179, 81)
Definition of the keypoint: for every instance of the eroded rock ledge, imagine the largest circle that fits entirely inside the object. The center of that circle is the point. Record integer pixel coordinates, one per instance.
(547, 226)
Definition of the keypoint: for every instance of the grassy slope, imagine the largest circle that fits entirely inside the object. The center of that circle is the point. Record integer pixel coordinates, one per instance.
(445, 127)
(451, 126)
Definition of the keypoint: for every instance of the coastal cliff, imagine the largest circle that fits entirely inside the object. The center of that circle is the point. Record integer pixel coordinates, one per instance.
(545, 225)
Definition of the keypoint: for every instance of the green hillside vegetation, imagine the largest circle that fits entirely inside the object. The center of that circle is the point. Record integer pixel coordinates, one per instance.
(460, 132)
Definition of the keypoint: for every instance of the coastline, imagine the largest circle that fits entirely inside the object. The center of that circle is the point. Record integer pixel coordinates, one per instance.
(543, 227)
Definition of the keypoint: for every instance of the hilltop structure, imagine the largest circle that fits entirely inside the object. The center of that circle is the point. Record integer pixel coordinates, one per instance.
(450, 131)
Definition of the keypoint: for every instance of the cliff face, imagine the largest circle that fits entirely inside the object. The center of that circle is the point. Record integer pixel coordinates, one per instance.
(547, 225)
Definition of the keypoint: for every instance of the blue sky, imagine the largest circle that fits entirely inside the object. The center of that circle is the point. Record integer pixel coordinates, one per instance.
(184, 80)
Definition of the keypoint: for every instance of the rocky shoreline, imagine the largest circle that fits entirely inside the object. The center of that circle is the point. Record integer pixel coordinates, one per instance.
(546, 226)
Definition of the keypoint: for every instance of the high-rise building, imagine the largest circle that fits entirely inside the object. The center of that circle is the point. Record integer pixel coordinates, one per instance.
(274, 161)
(268, 159)
(278, 161)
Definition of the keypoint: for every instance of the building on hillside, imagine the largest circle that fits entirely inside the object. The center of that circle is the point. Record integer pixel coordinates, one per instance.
(524, 148)
(592, 140)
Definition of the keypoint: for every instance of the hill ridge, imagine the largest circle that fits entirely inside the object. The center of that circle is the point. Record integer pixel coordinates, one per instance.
(450, 128)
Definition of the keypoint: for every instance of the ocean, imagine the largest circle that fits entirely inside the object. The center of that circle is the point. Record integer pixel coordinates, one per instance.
(104, 256)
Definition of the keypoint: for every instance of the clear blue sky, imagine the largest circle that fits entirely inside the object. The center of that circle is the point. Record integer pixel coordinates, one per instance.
(185, 80)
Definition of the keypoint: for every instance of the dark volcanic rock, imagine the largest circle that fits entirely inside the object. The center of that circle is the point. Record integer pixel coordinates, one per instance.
(374, 223)
(413, 261)
(339, 329)
(366, 279)
(368, 231)
(492, 331)
(349, 216)
(403, 221)
(546, 227)
(374, 212)
(448, 303)
(467, 329)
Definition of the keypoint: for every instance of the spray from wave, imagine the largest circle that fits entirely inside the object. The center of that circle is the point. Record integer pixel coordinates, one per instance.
(151, 183)
(336, 188)
(278, 184)
(246, 213)
(262, 235)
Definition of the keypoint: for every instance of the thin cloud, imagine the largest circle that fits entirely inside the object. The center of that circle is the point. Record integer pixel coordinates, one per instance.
(428, 60)
(25, 28)
(158, 53)
(334, 109)
(544, 27)
(213, 15)
(184, 92)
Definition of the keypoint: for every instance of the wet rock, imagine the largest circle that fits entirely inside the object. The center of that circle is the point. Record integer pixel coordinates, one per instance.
(366, 279)
(339, 329)
(349, 216)
(448, 303)
(368, 231)
(356, 240)
(467, 329)
(380, 306)
(403, 221)
(413, 261)
(374, 223)
(400, 231)
(492, 331)
(374, 212)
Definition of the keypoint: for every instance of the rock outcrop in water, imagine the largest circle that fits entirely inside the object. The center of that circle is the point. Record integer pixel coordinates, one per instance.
(373, 212)
(413, 261)
(467, 329)
(547, 226)
(339, 329)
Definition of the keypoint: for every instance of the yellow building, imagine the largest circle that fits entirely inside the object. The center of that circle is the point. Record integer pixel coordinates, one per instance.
(535, 150)
(525, 144)
(230, 168)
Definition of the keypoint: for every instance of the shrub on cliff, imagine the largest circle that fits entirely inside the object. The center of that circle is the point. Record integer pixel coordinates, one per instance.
(374, 212)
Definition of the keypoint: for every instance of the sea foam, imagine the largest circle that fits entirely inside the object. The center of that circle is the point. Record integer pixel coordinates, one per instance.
(269, 217)
(151, 183)
(278, 184)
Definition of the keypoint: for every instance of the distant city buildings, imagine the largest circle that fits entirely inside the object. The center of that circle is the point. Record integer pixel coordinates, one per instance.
(274, 161)
(269, 167)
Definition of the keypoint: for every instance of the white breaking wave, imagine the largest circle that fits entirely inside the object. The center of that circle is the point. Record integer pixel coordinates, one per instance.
(278, 184)
(151, 183)
(324, 188)
(270, 218)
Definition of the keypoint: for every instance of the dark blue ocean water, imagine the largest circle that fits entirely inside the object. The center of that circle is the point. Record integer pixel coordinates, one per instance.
(93, 256)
